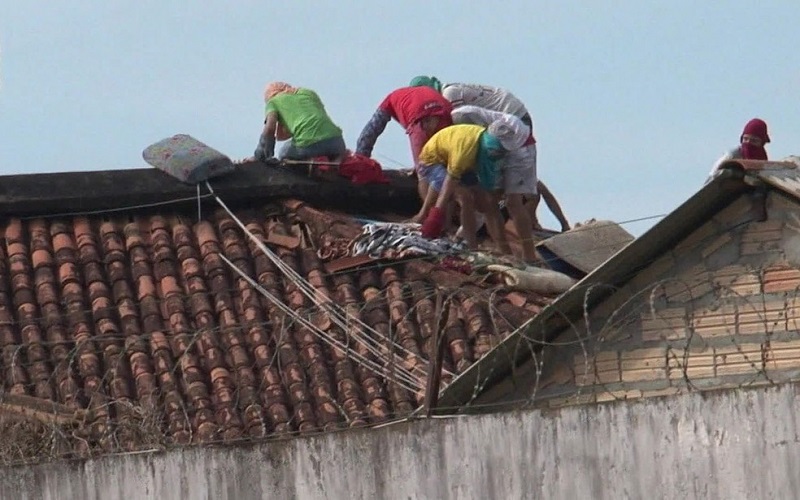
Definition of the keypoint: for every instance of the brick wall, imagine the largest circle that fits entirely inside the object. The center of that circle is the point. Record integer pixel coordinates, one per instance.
(721, 309)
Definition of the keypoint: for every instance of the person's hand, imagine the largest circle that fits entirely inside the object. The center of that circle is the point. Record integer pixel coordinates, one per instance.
(434, 224)
(417, 219)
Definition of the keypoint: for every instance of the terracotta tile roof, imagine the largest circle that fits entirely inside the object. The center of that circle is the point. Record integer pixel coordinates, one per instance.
(136, 322)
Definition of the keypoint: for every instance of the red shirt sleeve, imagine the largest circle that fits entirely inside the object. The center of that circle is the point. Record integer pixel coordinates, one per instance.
(388, 105)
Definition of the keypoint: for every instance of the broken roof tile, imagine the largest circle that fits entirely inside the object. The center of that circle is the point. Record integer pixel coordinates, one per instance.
(140, 323)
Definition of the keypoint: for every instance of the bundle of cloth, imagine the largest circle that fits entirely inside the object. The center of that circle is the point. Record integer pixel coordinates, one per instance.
(398, 240)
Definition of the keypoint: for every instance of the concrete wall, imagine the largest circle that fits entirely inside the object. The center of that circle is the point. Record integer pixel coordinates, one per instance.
(728, 444)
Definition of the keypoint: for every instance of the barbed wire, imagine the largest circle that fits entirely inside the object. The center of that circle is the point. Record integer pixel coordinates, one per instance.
(532, 345)
(33, 441)
(122, 424)
(587, 342)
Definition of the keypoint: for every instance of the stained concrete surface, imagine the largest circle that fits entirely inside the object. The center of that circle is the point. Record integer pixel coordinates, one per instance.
(729, 444)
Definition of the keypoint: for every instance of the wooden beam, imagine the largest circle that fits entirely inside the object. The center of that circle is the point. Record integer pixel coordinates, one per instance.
(42, 410)
(437, 357)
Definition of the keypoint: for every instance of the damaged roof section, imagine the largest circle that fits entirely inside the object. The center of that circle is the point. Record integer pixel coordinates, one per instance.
(584, 248)
(137, 323)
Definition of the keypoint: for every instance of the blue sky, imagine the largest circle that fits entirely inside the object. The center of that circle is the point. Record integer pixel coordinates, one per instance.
(633, 100)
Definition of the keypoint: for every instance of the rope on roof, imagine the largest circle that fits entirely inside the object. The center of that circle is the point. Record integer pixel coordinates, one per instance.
(353, 325)
(403, 377)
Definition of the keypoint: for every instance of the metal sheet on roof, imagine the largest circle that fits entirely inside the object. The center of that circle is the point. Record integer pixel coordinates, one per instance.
(586, 247)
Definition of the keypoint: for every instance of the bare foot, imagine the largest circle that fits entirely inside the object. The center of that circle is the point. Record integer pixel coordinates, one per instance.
(417, 219)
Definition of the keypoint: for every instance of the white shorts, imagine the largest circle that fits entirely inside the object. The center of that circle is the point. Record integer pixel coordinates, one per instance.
(518, 172)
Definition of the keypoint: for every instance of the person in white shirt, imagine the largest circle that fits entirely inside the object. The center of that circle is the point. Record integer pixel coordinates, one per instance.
(471, 94)
(485, 96)
(751, 146)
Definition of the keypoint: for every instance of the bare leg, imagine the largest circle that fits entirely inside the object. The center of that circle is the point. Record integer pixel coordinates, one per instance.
(531, 206)
(487, 204)
(467, 202)
(523, 225)
(449, 210)
(430, 196)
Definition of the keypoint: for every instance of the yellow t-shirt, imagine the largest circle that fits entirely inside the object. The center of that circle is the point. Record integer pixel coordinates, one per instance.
(455, 147)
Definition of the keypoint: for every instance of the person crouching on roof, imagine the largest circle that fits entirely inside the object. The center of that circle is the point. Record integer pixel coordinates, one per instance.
(462, 160)
(751, 145)
(297, 114)
(499, 100)
(517, 174)
(421, 111)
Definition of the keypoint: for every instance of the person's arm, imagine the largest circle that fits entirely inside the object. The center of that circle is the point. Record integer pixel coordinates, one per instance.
(457, 162)
(454, 92)
(475, 115)
(429, 157)
(372, 130)
(435, 220)
(448, 187)
(715, 169)
(281, 133)
(553, 205)
(266, 144)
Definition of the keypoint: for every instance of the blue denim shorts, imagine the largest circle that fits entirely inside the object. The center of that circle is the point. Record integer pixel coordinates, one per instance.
(436, 174)
(332, 148)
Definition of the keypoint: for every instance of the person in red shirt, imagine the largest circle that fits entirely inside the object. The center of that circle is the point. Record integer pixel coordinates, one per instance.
(421, 111)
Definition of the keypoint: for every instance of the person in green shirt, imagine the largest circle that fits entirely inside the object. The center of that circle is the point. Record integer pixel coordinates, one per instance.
(297, 114)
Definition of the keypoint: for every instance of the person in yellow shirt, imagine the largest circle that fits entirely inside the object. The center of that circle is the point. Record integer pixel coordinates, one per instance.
(461, 160)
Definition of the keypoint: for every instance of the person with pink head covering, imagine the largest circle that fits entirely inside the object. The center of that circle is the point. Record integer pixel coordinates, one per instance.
(751, 145)
(297, 114)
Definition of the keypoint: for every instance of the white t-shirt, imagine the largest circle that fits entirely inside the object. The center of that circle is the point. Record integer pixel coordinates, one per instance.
(484, 96)
(522, 158)
(479, 116)
(475, 115)
(733, 154)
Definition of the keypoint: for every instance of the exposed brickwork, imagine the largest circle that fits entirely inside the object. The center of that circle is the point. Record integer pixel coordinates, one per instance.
(686, 364)
(781, 277)
(782, 355)
(643, 364)
(720, 309)
(665, 324)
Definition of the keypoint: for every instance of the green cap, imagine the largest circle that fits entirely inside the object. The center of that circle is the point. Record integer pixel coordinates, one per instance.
(426, 81)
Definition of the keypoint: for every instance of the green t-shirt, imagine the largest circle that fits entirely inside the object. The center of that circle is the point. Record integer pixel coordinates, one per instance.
(303, 115)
